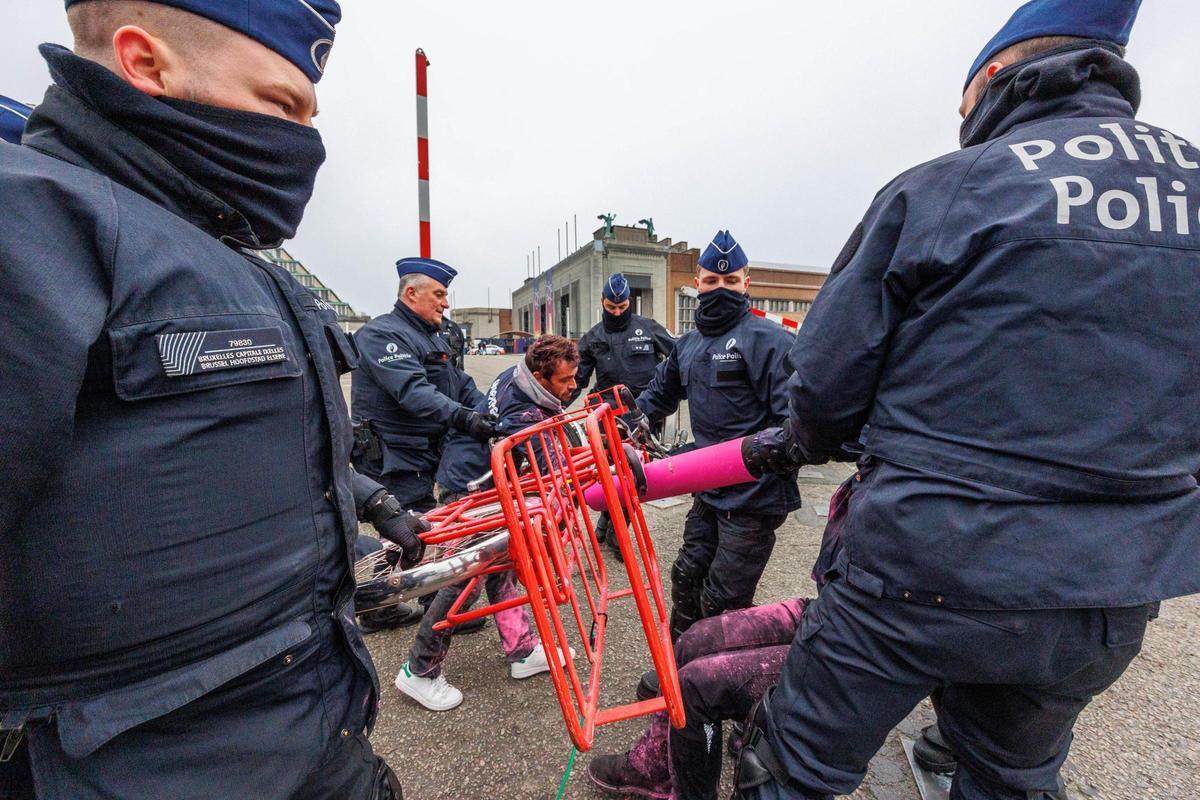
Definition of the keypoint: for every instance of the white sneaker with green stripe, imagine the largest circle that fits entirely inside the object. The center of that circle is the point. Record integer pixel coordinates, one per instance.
(436, 694)
(535, 663)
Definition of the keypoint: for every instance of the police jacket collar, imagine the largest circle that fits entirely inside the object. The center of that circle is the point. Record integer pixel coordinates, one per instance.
(66, 126)
(408, 315)
(1085, 79)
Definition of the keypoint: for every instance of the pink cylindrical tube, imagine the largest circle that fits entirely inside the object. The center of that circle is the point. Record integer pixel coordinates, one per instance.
(698, 471)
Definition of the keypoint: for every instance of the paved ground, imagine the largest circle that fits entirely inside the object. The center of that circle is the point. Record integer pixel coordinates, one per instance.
(507, 740)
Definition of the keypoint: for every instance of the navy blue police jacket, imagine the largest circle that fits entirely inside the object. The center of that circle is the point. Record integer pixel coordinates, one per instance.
(408, 388)
(177, 507)
(1016, 326)
(464, 459)
(735, 385)
(627, 356)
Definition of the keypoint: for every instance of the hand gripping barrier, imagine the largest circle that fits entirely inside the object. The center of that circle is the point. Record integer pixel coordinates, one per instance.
(535, 521)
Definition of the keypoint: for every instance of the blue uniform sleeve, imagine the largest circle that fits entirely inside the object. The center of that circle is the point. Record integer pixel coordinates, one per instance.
(402, 375)
(664, 342)
(55, 256)
(468, 393)
(842, 347)
(772, 366)
(363, 488)
(665, 392)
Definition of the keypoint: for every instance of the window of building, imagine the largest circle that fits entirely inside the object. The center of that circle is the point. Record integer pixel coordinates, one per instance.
(685, 312)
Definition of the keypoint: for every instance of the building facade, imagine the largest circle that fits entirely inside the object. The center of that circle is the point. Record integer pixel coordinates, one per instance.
(483, 323)
(350, 319)
(660, 275)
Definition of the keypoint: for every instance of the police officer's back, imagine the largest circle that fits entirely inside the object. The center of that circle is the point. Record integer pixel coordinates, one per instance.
(623, 348)
(1014, 324)
(407, 391)
(177, 515)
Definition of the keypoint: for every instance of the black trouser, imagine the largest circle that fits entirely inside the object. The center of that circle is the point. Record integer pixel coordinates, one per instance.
(429, 648)
(1011, 686)
(289, 729)
(721, 560)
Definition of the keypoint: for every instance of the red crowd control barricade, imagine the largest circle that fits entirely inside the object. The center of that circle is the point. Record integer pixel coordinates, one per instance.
(537, 509)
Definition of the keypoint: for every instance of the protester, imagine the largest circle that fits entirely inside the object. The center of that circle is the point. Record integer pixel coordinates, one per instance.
(1012, 329)
(177, 523)
(725, 665)
(533, 390)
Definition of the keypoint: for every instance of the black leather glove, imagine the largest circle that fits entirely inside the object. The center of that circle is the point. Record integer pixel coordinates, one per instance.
(772, 451)
(480, 427)
(397, 526)
(639, 423)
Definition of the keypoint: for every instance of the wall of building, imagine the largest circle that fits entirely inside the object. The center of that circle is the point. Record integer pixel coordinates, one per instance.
(661, 276)
(484, 323)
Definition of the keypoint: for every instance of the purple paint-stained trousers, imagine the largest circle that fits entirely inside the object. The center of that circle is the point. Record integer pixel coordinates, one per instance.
(516, 636)
(725, 663)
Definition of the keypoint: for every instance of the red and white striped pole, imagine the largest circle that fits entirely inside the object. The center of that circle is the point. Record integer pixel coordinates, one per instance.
(790, 324)
(423, 153)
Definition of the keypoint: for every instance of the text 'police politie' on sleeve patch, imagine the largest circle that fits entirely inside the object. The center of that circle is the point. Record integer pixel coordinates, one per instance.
(208, 351)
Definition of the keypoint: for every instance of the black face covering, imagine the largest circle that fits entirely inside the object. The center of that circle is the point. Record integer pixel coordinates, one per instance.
(614, 323)
(262, 166)
(720, 310)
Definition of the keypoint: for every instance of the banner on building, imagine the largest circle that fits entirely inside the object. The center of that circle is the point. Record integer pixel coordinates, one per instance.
(537, 307)
(549, 299)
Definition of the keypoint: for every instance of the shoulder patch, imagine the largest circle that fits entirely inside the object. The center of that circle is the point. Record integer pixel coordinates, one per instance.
(848, 250)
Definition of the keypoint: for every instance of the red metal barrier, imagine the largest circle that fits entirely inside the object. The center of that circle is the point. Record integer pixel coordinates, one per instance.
(540, 475)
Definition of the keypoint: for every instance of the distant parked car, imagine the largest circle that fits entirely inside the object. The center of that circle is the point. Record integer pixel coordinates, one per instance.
(490, 350)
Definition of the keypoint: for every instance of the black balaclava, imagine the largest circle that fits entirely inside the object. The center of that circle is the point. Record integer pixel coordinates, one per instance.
(720, 309)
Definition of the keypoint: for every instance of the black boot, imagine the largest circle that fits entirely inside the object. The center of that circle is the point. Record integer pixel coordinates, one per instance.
(933, 754)
(603, 528)
(648, 688)
(616, 775)
(395, 615)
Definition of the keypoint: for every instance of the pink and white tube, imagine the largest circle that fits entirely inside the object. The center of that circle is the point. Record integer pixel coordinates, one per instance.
(697, 471)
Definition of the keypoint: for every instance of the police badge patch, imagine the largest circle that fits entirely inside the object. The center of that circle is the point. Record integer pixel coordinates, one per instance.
(207, 351)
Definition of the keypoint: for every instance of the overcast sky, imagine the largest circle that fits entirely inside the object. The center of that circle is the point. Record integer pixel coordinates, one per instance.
(777, 120)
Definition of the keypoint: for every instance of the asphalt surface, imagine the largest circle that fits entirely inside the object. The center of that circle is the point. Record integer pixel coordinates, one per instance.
(1141, 739)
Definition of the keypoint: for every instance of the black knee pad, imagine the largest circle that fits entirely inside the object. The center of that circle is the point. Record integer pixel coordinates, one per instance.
(687, 581)
(756, 763)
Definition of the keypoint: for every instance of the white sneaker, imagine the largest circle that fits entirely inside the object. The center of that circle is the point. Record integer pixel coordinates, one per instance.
(535, 663)
(436, 694)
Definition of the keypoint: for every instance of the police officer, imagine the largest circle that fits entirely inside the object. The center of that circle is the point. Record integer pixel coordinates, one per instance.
(12, 119)
(733, 370)
(623, 348)
(1014, 326)
(456, 340)
(407, 391)
(177, 516)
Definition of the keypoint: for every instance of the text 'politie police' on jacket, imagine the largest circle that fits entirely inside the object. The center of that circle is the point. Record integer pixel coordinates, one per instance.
(1155, 202)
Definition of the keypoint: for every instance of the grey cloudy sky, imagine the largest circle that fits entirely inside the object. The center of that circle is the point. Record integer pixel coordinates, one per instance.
(778, 120)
